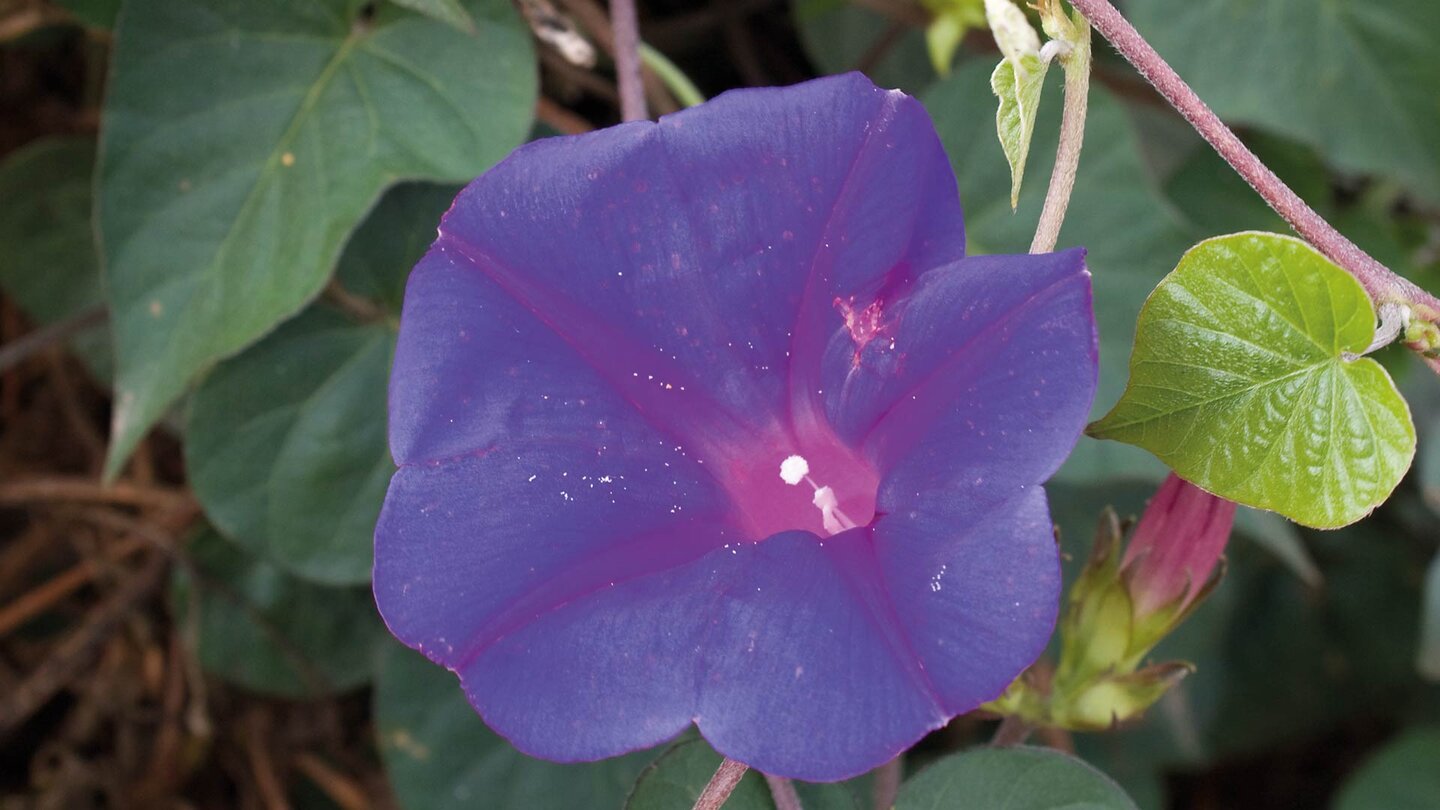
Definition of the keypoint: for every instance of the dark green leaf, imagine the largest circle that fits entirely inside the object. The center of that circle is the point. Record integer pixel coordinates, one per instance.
(1217, 200)
(1295, 661)
(47, 248)
(286, 445)
(439, 754)
(1430, 465)
(378, 257)
(286, 442)
(244, 142)
(1282, 539)
(840, 36)
(1239, 383)
(1427, 660)
(94, 13)
(1355, 78)
(1405, 775)
(1014, 779)
(450, 12)
(255, 626)
(679, 776)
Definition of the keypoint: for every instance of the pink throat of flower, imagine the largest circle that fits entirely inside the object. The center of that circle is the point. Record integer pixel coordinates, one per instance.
(813, 483)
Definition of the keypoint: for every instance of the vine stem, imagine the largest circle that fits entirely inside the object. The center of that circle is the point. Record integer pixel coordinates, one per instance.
(782, 790)
(1067, 154)
(1011, 732)
(626, 23)
(1383, 285)
(722, 784)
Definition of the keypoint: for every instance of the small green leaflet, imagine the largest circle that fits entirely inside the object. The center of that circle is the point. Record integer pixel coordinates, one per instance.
(1019, 93)
(1239, 381)
(1012, 778)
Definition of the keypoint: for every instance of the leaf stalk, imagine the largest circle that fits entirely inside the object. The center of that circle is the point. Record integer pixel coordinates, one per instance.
(1072, 138)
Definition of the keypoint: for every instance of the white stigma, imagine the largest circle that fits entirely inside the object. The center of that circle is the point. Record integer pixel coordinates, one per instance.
(794, 469)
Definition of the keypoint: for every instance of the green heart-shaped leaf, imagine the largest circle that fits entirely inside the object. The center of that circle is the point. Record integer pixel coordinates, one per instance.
(244, 141)
(1012, 778)
(285, 442)
(1240, 382)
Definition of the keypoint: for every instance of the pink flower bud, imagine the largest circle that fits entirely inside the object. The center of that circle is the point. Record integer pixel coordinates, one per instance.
(1176, 545)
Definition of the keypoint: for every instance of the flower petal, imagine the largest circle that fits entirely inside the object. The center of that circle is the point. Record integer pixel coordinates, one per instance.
(786, 653)
(699, 255)
(976, 585)
(982, 380)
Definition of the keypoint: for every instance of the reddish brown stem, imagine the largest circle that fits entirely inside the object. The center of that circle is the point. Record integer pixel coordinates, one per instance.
(626, 23)
(1380, 282)
(722, 784)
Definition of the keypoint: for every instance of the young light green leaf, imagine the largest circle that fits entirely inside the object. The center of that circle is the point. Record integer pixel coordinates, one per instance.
(450, 12)
(253, 625)
(1013, 33)
(243, 143)
(1240, 382)
(950, 21)
(1018, 85)
(1402, 776)
(1013, 778)
(438, 753)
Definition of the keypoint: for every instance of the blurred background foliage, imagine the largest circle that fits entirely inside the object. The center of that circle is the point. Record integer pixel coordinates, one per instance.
(257, 178)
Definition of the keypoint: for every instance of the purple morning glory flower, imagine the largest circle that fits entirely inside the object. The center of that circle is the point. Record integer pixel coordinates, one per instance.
(616, 347)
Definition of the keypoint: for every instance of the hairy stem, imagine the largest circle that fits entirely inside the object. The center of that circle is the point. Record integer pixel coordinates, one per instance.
(1067, 154)
(626, 22)
(1383, 285)
(782, 790)
(722, 784)
(887, 784)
